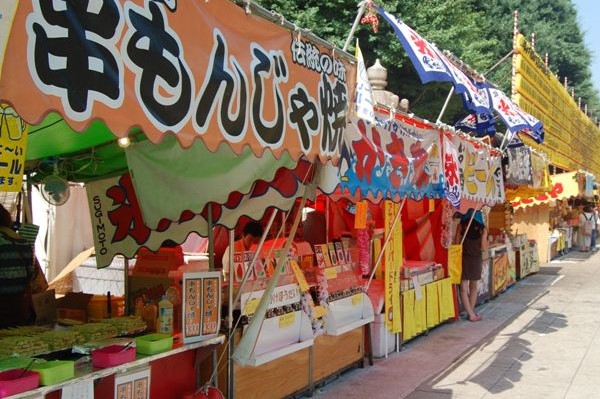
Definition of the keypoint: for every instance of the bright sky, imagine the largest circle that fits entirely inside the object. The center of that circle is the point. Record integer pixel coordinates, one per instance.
(588, 15)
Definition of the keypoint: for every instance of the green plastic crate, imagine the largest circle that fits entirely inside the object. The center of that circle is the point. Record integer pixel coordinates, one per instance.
(55, 371)
(152, 344)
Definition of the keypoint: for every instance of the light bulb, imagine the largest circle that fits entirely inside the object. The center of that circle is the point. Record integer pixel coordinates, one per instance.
(124, 142)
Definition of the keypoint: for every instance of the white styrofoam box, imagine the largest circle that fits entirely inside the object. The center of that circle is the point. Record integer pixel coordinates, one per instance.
(378, 336)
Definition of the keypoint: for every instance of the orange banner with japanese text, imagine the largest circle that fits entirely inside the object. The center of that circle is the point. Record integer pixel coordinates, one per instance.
(199, 69)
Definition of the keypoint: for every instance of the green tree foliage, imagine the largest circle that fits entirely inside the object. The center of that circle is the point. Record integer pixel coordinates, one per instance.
(557, 34)
(479, 33)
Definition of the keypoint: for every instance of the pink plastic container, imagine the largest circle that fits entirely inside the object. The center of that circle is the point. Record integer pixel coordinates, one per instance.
(112, 355)
(11, 384)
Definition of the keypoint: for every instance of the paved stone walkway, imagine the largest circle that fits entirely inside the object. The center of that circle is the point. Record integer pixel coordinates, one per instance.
(539, 339)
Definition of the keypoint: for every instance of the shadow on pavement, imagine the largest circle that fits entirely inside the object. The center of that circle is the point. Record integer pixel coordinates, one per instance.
(507, 352)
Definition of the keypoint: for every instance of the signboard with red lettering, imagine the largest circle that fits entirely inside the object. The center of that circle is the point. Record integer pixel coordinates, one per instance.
(201, 305)
(201, 70)
(395, 158)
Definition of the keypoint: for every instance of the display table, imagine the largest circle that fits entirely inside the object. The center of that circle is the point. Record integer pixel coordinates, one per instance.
(528, 261)
(173, 373)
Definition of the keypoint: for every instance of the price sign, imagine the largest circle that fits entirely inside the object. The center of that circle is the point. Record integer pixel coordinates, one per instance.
(201, 306)
(357, 299)
(299, 276)
(211, 305)
(330, 273)
(250, 306)
(286, 320)
(360, 217)
(319, 311)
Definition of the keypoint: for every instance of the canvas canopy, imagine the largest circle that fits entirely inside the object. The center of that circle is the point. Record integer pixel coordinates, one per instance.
(197, 70)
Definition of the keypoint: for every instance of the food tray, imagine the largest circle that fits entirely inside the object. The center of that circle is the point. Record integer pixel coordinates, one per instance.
(55, 371)
(152, 344)
(16, 381)
(112, 355)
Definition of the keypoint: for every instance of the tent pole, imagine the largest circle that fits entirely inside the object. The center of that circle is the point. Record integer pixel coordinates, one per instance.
(247, 343)
(387, 240)
(230, 376)
(504, 141)
(361, 10)
(443, 111)
(211, 240)
(126, 284)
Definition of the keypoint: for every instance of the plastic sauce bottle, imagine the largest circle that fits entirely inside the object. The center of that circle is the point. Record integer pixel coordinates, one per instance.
(165, 316)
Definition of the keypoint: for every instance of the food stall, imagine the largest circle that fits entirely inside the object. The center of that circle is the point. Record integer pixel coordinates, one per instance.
(392, 175)
(481, 186)
(551, 217)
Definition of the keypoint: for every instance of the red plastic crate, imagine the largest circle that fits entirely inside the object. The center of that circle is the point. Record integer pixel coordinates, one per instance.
(112, 355)
(11, 384)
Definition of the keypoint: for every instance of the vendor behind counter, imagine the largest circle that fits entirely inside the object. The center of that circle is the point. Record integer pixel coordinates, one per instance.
(16, 272)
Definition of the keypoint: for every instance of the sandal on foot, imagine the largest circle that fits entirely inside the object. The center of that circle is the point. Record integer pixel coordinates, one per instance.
(476, 317)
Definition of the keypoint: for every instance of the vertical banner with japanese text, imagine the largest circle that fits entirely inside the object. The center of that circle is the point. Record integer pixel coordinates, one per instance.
(13, 143)
(393, 263)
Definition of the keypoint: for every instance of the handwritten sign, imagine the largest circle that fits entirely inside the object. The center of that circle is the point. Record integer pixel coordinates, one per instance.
(319, 311)
(299, 276)
(133, 385)
(251, 305)
(201, 307)
(360, 217)
(330, 273)
(13, 143)
(287, 319)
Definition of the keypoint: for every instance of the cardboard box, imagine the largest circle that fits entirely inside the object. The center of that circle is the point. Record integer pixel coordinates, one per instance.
(44, 306)
(73, 306)
(146, 289)
(158, 264)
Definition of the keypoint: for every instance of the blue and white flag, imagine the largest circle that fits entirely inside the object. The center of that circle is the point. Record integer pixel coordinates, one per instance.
(432, 65)
(363, 95)
(508, 111)
(424, 56)
(482, 124)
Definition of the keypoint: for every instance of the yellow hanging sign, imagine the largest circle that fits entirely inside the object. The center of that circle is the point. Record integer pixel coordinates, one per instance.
(13, 143)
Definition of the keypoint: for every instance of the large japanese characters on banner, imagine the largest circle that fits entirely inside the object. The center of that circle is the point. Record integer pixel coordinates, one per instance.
(199, 69)
(13, 143)
(118, 225)
(480, 171)
(396, 158)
